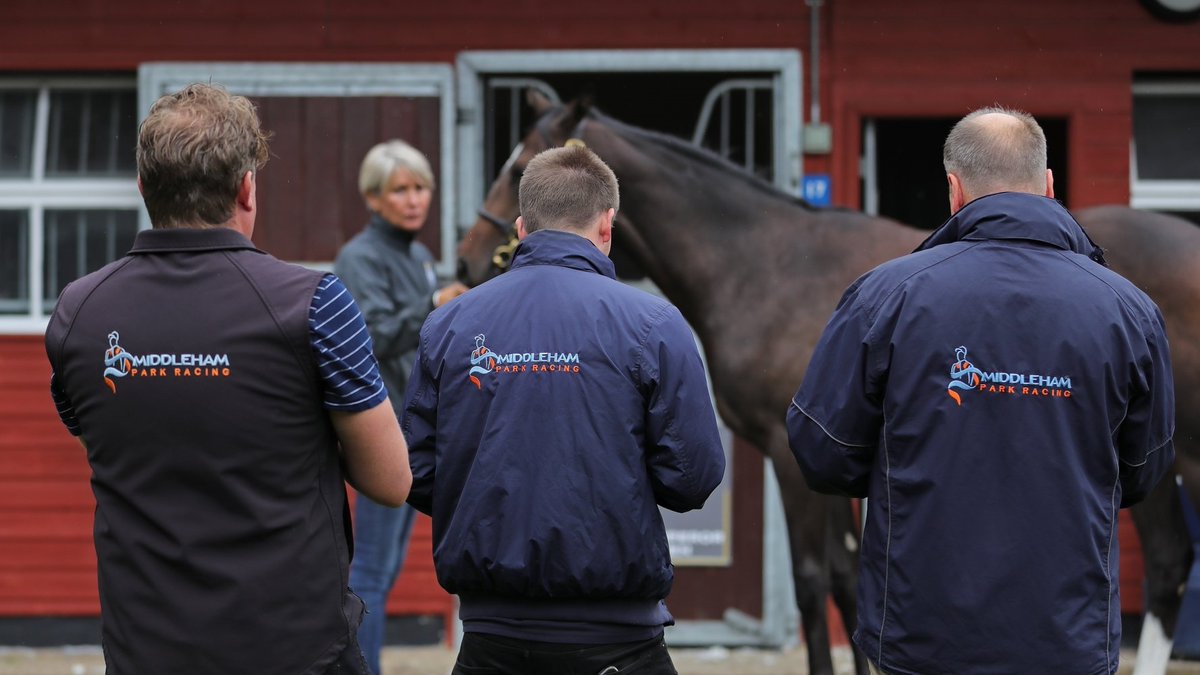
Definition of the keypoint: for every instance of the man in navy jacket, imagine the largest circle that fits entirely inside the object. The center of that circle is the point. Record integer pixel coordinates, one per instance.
(998, 395)
(551, 411)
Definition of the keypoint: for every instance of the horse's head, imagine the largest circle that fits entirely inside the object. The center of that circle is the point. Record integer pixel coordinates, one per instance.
(486, 249)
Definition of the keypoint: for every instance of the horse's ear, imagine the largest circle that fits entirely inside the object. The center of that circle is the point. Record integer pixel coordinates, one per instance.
(586, 100)
(538, 101)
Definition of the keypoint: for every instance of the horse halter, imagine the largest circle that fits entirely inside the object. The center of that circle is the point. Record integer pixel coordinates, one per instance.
(503, 254)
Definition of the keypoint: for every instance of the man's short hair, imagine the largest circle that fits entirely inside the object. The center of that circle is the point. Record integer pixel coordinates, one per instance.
(384, 159)
(565, 189)
(992, 155)
(193, 149)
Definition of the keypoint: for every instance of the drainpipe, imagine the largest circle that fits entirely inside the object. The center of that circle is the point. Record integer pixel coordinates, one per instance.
(818, 137)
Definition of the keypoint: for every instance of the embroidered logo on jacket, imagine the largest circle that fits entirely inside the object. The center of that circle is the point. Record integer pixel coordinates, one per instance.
(481, 355)
(486, 362)
(116, 361)
(964, 375)
(120, 363)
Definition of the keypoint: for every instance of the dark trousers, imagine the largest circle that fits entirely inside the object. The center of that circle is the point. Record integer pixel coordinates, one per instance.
(350, 661)
(483, 654)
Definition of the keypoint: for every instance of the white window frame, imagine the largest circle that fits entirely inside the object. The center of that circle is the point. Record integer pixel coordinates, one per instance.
(39, 193)
(1162, 195)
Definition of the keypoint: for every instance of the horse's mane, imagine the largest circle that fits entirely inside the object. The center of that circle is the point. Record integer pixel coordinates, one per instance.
(701, 156)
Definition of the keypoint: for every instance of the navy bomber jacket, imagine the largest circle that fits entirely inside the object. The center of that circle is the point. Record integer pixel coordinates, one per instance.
(551, 411)
(997, 395)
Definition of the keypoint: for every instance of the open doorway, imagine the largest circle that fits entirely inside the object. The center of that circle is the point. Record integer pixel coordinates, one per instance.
(902, 175)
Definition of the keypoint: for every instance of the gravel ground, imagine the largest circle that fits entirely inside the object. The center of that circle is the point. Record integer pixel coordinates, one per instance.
(438, 661)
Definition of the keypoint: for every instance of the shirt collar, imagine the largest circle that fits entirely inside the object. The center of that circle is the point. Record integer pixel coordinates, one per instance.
(189, 239)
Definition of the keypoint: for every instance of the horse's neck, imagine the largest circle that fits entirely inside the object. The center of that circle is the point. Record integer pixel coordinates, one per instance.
(689, 243)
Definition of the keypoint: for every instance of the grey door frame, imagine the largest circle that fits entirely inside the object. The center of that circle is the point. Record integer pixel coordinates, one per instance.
(332, 80)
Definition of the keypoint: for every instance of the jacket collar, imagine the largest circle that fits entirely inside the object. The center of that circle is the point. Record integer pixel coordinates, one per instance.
(565, 249)
(390, 233)
(189, 239)
(1013, 216)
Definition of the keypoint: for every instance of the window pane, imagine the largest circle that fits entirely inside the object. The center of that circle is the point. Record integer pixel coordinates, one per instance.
(1166, 132)
(81, 241)
(91, 133)
(16, 132)
(14, 271)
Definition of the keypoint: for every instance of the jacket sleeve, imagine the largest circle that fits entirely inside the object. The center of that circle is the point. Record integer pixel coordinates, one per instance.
(1144, 439)
(419, 424)
(835, 418)
(684, 455)
(394, 314)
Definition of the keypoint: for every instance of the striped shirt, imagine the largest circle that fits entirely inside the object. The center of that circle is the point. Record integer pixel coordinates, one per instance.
(349, 372)
(350, 379)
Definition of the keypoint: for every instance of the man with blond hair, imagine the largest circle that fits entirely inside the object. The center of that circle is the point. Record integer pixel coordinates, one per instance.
(998, 395)
(551, 411)
(243, 386)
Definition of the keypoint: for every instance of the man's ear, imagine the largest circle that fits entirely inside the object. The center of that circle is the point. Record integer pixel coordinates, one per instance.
(247, 197)
(958, 196)
(606, 225)
(1049, 183)
(245, 207)
(521, 233)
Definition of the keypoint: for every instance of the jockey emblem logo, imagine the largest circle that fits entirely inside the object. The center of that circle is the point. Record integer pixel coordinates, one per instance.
(117, 361)
(963, 375)
(481, 355)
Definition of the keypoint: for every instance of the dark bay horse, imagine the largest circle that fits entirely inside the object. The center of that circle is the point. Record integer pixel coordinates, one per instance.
(757, 273)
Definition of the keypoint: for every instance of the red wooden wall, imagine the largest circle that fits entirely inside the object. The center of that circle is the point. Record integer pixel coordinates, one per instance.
(48, 565)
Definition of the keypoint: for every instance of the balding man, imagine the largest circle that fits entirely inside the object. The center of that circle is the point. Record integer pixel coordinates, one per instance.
(998, 395)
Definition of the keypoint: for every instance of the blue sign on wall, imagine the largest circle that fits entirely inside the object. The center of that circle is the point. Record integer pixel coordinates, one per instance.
(817, 190)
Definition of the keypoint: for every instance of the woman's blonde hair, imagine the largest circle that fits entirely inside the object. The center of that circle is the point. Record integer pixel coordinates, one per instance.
(384, 159)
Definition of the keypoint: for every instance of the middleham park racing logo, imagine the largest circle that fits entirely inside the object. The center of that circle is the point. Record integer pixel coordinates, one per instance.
(487, 362)
(119, 363)
(966, 376)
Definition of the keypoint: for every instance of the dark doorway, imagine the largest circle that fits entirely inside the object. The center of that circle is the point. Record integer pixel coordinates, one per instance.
(666, 102)
(909, 177)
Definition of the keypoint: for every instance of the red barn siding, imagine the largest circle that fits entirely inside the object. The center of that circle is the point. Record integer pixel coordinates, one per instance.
(48, 566)
(100, 35)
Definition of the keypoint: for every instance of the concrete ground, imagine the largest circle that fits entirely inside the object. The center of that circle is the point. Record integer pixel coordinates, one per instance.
(438, 661)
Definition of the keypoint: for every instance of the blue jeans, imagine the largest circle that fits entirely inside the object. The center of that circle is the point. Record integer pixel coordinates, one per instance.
(380, 544)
